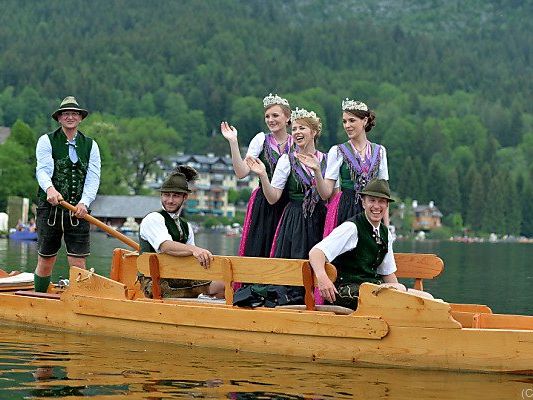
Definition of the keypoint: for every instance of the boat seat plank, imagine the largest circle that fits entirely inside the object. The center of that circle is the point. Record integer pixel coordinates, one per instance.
(229, 269)
(418, 267)
(503, 321)
(472, 308)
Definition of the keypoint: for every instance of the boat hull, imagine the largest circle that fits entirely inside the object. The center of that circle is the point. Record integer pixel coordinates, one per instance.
(101, 308)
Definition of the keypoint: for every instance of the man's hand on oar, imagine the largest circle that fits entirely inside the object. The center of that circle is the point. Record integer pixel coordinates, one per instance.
(53, 196)
(81, 210)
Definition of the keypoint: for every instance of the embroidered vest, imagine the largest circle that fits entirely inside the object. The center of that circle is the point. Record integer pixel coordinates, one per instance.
(270, 157)
(360, 264)
(180, 234)
(301, 185)
(69, 177)
(352, 172)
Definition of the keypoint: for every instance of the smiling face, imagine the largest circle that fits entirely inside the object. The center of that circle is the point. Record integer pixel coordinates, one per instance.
(302, 134)
(69, 120)
(276, 118)
(375, 208)
(353, 125)
(172, 201)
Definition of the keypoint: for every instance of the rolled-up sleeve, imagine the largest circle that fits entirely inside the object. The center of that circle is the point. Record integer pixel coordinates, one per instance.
(92, 179)
(388, 265)
(154, 230)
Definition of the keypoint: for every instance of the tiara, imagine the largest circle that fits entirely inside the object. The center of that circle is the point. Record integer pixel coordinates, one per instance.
(300, 113)
(274, 99)
(351, 105)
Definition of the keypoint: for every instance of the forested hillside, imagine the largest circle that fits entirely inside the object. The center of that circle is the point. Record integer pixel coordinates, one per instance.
(450, 81)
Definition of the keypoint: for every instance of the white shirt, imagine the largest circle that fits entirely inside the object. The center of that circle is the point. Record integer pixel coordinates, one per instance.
(344, 238)
(154, 230)
(281, 173)
(45, 168)
(256, 145)
(335, 161)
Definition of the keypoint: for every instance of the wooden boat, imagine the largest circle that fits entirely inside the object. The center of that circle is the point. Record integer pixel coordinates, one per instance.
(23, 235)
(389, 328)
(94, 362)
(15, 280)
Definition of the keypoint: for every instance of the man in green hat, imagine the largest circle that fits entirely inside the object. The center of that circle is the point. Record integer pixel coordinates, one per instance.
(360, 249)
(165, 231)
(68, 168)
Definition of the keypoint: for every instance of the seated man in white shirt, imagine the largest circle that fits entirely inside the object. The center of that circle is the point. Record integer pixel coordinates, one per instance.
(361, 249)
(165, 231)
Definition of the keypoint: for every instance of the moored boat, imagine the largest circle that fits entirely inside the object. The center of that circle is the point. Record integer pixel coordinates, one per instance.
(389, 328)
(23, 235)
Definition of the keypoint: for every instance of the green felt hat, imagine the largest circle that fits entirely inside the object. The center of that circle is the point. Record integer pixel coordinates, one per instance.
(378, 188)
(175, 183)
(69, 103)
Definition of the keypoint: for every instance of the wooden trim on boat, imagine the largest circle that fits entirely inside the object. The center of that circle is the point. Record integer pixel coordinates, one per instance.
(40, 295)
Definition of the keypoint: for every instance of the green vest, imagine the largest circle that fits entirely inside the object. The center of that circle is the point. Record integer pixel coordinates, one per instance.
(347, 177)
(69, 177)
(173, 230)
(360, 264)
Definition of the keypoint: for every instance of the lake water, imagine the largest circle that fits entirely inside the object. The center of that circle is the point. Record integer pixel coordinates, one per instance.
(39, 364)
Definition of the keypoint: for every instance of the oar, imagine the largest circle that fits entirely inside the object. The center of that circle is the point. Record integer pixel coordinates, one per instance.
(113, 232)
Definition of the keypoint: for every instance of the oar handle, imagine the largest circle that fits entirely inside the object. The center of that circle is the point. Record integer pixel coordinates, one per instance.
(106, 228)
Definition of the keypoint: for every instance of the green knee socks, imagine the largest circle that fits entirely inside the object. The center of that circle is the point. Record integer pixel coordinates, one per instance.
(41, 283)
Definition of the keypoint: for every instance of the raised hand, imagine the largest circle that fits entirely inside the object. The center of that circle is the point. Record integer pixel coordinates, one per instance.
(255, 165)
(309, 160)
(228, 131)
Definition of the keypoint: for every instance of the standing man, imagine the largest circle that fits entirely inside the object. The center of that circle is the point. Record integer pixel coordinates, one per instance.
(361, 249)
(68, 168)
(165, 231)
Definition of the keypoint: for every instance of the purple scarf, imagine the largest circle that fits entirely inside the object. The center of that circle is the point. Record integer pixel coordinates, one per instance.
(307, 181)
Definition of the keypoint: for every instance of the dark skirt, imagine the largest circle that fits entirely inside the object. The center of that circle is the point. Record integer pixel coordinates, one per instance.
(348, 206)
(260, 224)
(297, 234)
(341, 206)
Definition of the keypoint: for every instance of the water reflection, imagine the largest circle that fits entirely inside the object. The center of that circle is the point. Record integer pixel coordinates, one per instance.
(43, 364)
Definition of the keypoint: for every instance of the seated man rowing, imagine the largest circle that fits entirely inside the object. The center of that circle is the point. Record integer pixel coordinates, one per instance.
(360, 249)
(165, 231)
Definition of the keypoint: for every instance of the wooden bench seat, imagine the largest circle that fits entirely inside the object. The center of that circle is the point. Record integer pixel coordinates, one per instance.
(230, 269)
(125, 266)
(418, 267)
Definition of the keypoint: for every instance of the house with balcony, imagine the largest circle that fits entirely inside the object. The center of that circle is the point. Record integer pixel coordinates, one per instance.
(210, 191)
(427, 217)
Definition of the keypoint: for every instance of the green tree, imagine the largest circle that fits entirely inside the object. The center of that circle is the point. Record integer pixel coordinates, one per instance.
(526, 227)
(18, 178)
(247, 116)
(139, 146)
(494, 216)
(104, 130)
(476, 201)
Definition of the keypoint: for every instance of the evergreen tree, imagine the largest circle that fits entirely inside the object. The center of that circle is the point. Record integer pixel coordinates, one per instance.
(477, 201)
(494, 218)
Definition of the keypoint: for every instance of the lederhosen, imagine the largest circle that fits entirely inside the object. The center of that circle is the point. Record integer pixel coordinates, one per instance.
(179, 231)
(68, 178)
